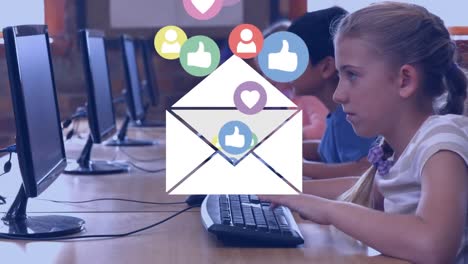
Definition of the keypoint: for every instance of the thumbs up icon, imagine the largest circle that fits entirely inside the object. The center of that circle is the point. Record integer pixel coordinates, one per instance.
(235, 140)
(284, 60)
(199, 58)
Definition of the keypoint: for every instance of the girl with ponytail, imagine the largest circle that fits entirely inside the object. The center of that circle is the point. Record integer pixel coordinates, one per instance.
(395, 62)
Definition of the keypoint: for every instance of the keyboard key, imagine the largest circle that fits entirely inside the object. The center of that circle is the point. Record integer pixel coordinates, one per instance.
(226, 221)
(258, 214)
(237, 219)
(244, 199)
(254, 199)
(248, 217)
(270, 219)
(223, 199)
(282, 220)
(224, 206)
(250, 224)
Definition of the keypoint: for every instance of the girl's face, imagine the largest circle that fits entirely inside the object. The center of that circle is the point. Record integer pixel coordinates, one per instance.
(366, 89)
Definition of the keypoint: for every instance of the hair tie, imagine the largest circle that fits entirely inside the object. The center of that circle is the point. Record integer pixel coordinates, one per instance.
(376, 158)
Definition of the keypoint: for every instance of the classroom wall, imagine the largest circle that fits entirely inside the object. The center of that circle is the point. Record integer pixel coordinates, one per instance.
(70, 81)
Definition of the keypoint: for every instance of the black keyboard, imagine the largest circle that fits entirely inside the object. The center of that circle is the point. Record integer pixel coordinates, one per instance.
(245, 220)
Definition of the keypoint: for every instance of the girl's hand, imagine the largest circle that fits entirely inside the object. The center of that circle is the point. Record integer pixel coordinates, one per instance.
(309, 207)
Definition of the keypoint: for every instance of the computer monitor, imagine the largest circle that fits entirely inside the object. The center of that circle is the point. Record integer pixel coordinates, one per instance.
(133, 95)
(100, 107)
(137, 108)
(39, 140)
(150, 82)
(100, 110)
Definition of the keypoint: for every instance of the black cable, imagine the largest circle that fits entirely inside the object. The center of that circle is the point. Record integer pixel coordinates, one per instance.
(108, 199)
(138, 159)
(71, 133)
(145, 170)
(78, 114)
(7, 165)
(3, 236)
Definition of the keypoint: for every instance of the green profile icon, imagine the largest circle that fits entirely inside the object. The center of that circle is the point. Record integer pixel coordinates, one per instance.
(199, 56)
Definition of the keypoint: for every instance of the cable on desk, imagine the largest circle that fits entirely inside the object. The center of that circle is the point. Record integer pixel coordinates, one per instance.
(144, 169)
(138, 159)
(109, 199)
(2, 236)
(7, 165)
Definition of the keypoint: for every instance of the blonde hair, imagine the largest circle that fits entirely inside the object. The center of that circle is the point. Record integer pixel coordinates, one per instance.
(407, 34)
(362, 191)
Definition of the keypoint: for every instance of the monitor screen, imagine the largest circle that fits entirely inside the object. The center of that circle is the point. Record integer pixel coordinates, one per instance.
(41, 154)
(101, 92)
(151, 84)
(132, 79)
(42, 117)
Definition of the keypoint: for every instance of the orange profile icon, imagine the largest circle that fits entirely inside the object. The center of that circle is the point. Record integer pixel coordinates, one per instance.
(246, 41)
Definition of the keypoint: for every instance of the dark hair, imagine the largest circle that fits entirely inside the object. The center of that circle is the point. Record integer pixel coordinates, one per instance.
(316, 28)
(409, 34)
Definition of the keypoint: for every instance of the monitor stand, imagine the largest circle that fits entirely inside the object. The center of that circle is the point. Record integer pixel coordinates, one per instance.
(84, 164)
(123, 141)
(16, 224)
(146, 123)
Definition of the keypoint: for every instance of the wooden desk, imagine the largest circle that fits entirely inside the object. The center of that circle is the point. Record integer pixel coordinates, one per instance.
(136, 184)
(180, 240)
(183, 240)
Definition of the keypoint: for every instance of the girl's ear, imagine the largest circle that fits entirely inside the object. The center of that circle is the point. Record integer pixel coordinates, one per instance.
(327, 67)
(408, 81)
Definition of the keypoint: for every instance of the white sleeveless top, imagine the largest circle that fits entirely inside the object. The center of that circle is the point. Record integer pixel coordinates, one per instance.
(401, 188)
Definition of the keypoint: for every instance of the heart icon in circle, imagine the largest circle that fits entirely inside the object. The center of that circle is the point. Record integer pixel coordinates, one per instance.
(203, 5)
(250, 98)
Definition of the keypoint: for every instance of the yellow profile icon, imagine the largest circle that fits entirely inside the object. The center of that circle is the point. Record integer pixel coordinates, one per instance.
(168, 42)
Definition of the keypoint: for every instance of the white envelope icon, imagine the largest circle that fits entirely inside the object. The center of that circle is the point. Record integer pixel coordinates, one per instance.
(194, 165)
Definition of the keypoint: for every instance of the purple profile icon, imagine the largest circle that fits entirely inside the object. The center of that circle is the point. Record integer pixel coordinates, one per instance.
(250, 98)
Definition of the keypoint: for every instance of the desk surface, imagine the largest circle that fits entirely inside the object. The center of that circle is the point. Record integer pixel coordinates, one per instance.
(182, 239)
(136, 184)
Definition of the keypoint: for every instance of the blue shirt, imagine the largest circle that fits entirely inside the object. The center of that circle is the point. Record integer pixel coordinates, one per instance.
(340, 143)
